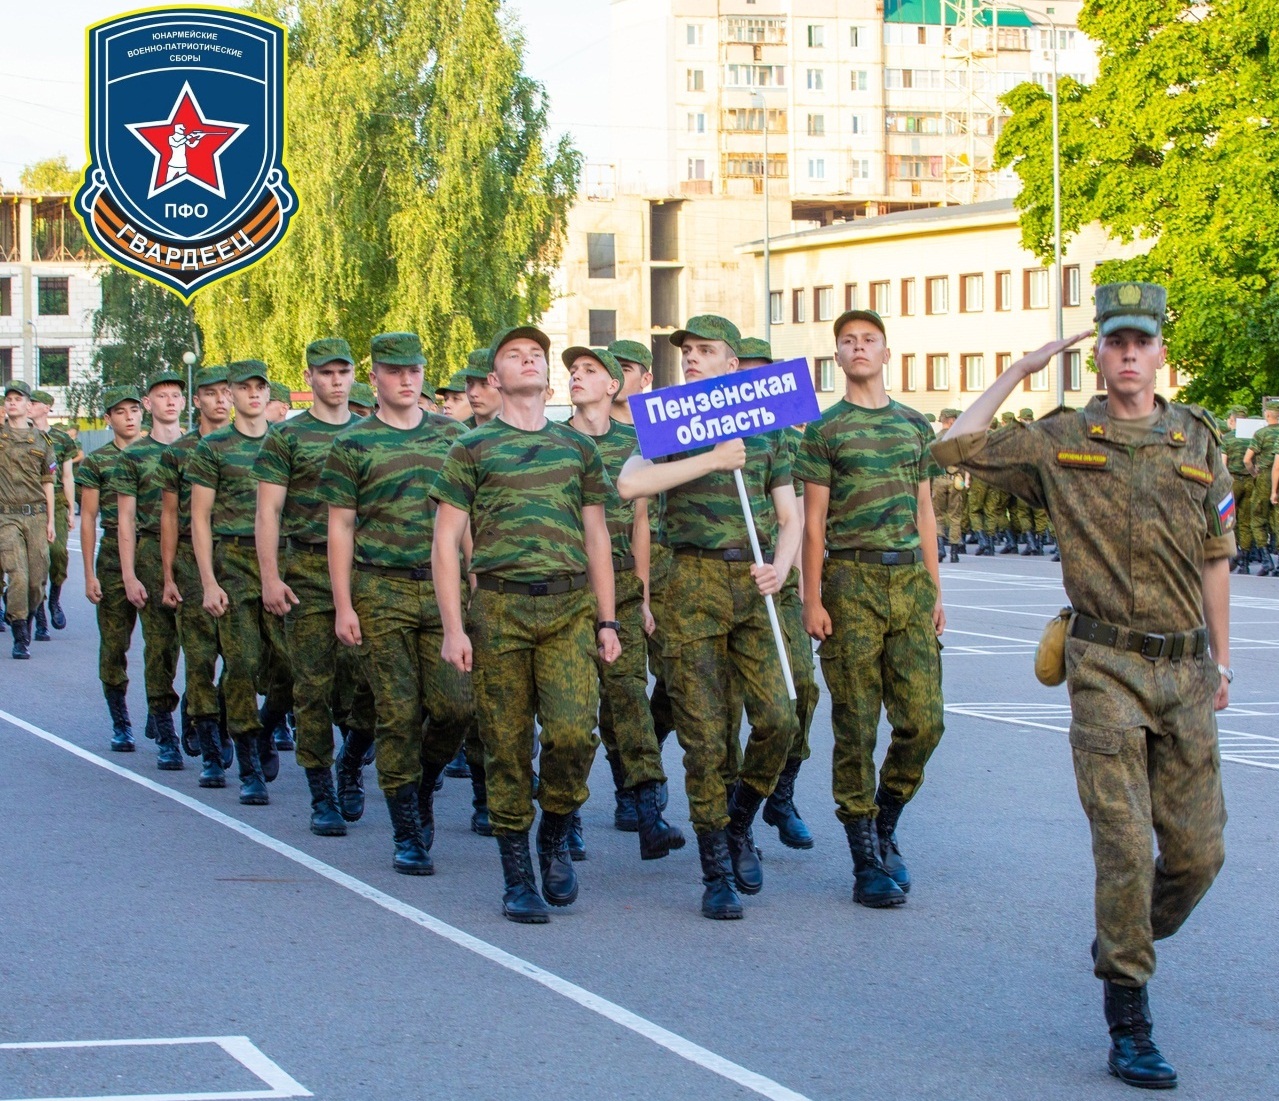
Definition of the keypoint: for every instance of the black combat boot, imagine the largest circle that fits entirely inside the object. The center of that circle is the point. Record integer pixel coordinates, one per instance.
(1241, 561)
(954, 552)
(121, 728)
(1134, 1058)
(42, 624)
(426, 789)
(190, 737)
(941, 549)
(981, 545)
(168, 754)
(624, 816)
(657, 837)
(326, 820)
(1263, 556)
(576, 839)
(268, 755)
(252, 782)
(21, 642)
(520, 902)
(1010, 542)
(890, 810)
(210, 738)
(282, 735)
(480, 801)
(743, 802)
(350, 774)
(779, 810)
(719, 900)
(411, 857)
(559, 880)
(872, 886)
(963, 547)
(1027, 548)
(57, 617)
(458, 769)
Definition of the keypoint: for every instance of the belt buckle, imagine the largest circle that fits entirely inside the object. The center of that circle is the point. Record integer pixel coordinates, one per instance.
(889, 558)
(1162, 641)
(539, 588)
(418, 573)
(28, 510)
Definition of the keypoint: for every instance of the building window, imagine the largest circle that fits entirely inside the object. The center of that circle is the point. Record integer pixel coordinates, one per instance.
(816, 168)
(826, 374)
(55, 366)
(860, 168)
(775, 308)
(857, 124)
(751, 76)
(855, 37)
(696, 80)
(1034, 289)
(972, 373)
(601, 258)
(1074, 370)
(908, 298)
(693, 34)
(909, 379)
(697, 122)
(938, 290)
(6, 296)
(879, 298)
(696, 168)
(939, 372)
(1003, 360)
(816, 36)
(816, 80)
(850, 296)
(1070, 285)
(859, 80)
(6, 364)
(797, 307)
(1037, 382)
(823, 303)
(970, 294)
(1003, 290)
(603, 326)
(816, 126)
(52, 299)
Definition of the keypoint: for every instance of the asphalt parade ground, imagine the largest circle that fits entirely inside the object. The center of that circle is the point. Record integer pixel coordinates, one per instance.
(161, 941)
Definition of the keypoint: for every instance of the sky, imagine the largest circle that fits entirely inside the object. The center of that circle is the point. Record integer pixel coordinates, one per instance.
(42, 74)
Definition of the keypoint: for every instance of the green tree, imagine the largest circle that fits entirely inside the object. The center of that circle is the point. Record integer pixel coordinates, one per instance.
(52, 175)
(140, 328)
(1174, 147)
(429, 197)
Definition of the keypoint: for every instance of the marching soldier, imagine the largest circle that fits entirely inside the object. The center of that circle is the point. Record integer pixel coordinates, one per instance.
(451, 397)
(1143, 508)
(65, 449)
(281, 401)
(948, 501)
(483, 397)
(1260, 456)
(1233, 450)
(1030, 522)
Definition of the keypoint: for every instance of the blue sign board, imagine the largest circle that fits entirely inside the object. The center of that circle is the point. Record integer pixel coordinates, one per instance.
(744, 403)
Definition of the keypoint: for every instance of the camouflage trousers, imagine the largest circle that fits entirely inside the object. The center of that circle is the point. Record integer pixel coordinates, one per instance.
(659, 704)
(996, 516)
(535, 655)
(977, 490)
(1242, 488)
(1263, 512)
(58, 548)
(159, 628)
(882, 651)
(1027, 519)
(244, 629)
(116, 618)
(718, 629)
(422, 703)
(23, 550)
(198, 635)
(320, 663)
(626, 721)
(1143, 736)
(948, 506)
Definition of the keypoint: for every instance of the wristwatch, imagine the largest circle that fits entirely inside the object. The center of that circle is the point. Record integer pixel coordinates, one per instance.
(1226, 672)
(610, 624)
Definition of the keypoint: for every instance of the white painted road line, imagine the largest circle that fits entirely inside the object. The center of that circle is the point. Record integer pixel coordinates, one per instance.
(671, 1041)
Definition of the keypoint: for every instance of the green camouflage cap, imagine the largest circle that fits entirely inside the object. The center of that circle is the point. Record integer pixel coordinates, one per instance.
(398, 350)
(165, 376)
(210, 376)
(1006, 417)
(709, 326)
(1026, 415)
(1139, 306)
(952, 413)
(603, 356)
(860, 315)
(930, 418)
(282, 393)
(455, 385)
(331, 349)
(17, 386)
(244, 369)
(754, 348)
(477, 365)
(362, 395)
(994, 422)
(518, 332)
(42, 396)
(633, 352)
(1271, 406)
(116, 395)
(1237, 411)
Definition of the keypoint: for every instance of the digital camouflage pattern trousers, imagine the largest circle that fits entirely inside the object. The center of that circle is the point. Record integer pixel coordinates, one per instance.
(659, 568)
(626, 720)
(535, 655)
(882, 651)
(244, 629)
(23, 564)
(949, 506)
(159, 628)
(58, 548)
(198, 635)
(1143, 736)
(1243, 487)
(116, 617)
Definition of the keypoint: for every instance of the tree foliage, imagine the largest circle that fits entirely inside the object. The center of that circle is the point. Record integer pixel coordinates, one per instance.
(1174, 145)
(52, 175)
(429, 198)
(139, 329)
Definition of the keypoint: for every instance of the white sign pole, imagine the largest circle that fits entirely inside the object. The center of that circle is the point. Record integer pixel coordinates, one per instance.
(768, 600)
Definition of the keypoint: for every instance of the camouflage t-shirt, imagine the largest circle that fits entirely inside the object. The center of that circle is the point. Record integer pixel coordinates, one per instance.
(872, 461)
(223, 462)
(525, 492)
(794, 437)
(137, 474)
(64, 447)
(386, 474)
(1266, 444)
(293, 456)
(615, 447)
(95, 473)
(26, 466)
(1234, 450)
(707, 512)
(173, 476)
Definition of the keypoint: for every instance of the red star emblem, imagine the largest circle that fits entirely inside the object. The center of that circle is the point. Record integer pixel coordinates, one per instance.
(187, 146)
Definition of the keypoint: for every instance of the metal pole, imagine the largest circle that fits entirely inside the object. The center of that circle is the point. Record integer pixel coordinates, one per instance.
(779, 640)
(1061, 360)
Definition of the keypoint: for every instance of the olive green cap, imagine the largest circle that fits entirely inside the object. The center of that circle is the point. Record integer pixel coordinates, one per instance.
(994, 422)
(1006, 417)
(709, 326)
(244, 369)
(455, 385)
(754, 348)
(362, 395)
(17, 386)
(930, 418)
(518, 332)
(282, 393)
(477, 365)
(1026, 415)
(331, 349)
(1270, 406)
(42, 396)
(1237, 411)
(952, 413)
(633, 352)
(210, 376)
(1139, 306)
(117, 395)
(859, 315)
(165, 376)
(398, 350)
(603, 356)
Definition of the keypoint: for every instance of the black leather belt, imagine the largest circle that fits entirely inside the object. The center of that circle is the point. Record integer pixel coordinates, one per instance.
(22, 510)
(530, 588)
(1174, 646)
(238, 540)
(307, 548)
(626, 563)
(733, 554)
(877, 558)
(416, 573)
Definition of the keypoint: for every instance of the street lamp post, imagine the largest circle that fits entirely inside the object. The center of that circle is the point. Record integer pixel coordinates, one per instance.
(768, 290)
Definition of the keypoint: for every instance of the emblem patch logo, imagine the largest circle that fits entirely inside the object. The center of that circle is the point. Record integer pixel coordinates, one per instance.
(186, 180)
